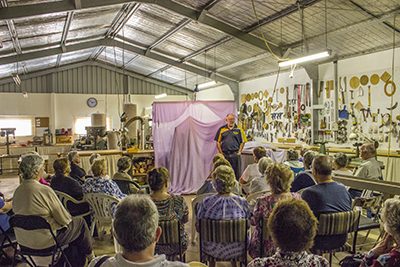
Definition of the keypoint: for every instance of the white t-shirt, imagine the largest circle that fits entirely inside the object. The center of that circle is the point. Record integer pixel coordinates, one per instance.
(120, 261)
(249, 174)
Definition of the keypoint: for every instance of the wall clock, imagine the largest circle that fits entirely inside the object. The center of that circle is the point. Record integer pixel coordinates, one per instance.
(91, 102)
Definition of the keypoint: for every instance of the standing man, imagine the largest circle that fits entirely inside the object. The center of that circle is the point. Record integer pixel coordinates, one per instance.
(230, 141)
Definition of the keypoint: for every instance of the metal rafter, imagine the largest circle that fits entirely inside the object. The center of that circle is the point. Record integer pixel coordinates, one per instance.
(282, 13)
(66, 5)
(64, 36)
(11, 30)
(117, 24)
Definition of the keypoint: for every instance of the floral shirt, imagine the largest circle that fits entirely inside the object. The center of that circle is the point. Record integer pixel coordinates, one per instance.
(263, 209)
(173, 208)
(288, 259)
(385, 260)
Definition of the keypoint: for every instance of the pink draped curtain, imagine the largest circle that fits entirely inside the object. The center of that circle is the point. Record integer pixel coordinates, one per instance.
(183, 134)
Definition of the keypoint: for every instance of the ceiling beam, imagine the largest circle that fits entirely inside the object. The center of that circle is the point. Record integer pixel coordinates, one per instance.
(64, 35)
(66, 5)
(349, 28)
(282, 13)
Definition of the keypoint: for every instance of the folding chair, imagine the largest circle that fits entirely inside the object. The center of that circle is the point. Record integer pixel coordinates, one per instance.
(337, 224)
(125, 186)
(31, 223)
(102, 205)
(6, 240)
(171, 236)
(264, 235)
(224, 231)
(365, 222)
(256, 195)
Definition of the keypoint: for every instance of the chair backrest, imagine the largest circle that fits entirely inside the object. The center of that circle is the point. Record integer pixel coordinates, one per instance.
(199, 199)
(43, 232)
(255, 195)
(66, 200)
(124, 185)
(102, 205)
(338, 223)
(365, 202)
(170, 232)
(223, 231)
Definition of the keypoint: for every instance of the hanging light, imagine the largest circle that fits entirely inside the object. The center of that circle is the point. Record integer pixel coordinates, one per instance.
(206, 85)
(16, 78)
(25, 94)
(305, 59)
(160, 96)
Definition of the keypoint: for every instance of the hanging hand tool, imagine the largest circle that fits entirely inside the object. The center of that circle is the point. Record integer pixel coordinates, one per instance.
(328, 95)
(363, 112)
(287, 103)
(369, 96)
(352, 94)
(360, 91)
(341, 90)
(393, 107)
(321, 88)
(308, 95)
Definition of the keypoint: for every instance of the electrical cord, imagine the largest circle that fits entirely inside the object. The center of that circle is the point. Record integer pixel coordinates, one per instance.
(262, 34)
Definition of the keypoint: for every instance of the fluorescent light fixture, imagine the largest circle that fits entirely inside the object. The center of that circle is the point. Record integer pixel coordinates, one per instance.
(16, 78)
(148, 108)
(304, 59)
(205, 85)
(161, 96)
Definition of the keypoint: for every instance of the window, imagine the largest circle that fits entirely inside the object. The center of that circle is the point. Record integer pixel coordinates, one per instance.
(82, 122)
(24, 124)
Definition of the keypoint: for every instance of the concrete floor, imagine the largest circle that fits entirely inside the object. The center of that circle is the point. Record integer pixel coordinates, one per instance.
(8, 183)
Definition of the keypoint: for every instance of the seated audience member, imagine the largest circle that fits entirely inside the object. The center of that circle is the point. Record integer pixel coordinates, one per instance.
(170, 207)
(124, 164)
(370, 167)
(5, 208)
(136, 229)
(292, 218)
(215, 158)
(340, 163)
(99, 184)
(279, 177)
(32, 198)
(252, 172)
(42, 179)
(305, 179)
(259, 184)
(207, 187)
(293, 161)
(304, 149)
(91, 160)
(327, 196)
(63, 183)
(76, 172)
(223, 206)
(385, 254)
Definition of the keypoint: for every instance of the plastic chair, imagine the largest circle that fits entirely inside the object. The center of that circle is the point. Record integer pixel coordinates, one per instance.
(337, 224)
(195, 201)
(102, 206)
(264, 235)
(70, 203)
(255, 195)
(125, 188)
(6, 240)
(224, 231)
(171, 236)
(31, 223)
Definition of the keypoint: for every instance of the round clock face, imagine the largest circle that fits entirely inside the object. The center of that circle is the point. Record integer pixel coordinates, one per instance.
(92, 102)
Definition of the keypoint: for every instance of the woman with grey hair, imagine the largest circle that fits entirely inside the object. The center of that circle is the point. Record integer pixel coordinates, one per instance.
(292, 160)
(385, 254)
(76, 171)
(260, 184)
(124, 164)
(340, 163)
(91, 160)
(233, 207)
(305, 179)
(33, 198)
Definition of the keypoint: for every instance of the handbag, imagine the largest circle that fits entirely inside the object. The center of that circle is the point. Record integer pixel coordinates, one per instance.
(352, 261)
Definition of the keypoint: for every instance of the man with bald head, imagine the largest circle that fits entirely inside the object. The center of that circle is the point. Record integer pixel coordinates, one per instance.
(230, 141)
(327, 196)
